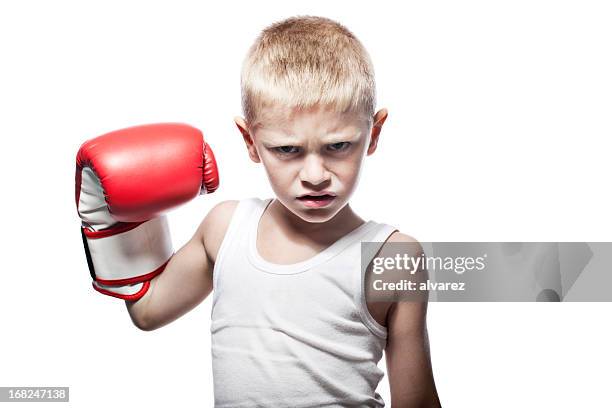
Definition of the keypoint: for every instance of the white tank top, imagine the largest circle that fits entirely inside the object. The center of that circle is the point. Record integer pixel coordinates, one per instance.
(297, 335)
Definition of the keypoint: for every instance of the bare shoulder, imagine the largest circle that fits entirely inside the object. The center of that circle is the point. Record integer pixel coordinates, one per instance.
(401, 237)
(214, 226)
(399, 243)
(410, 310)
(382, 310)
(412, 245)
(391, 246)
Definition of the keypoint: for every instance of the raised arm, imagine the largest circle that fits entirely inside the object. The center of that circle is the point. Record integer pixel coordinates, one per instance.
(187, 279)
(125, 182)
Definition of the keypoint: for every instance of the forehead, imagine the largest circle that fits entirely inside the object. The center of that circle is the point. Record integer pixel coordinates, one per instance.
(305, 121)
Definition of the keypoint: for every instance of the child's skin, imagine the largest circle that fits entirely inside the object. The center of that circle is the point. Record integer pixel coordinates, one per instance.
(307, 151)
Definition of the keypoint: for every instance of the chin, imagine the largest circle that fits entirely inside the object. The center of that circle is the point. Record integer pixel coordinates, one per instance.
(315, 215)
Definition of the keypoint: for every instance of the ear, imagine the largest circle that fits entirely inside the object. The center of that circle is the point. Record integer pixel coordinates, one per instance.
(379, 119)
(248, 140)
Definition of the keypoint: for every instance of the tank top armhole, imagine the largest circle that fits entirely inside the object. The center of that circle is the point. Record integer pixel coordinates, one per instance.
(380, 237)
(242, 209)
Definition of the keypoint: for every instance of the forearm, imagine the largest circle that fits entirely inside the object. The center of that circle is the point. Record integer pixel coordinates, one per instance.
(125, 182)
(186, 281)
(138, 309)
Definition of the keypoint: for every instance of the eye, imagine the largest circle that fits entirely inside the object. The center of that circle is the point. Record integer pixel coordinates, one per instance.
(338, 147)
(287, 149)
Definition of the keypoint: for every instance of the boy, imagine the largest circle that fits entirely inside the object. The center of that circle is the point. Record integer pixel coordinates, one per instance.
(291, 326)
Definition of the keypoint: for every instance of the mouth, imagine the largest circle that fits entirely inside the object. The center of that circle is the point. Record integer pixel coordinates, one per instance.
(317, 200)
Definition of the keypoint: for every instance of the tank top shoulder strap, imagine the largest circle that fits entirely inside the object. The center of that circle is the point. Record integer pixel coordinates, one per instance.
(375, 239)
(237, 230)
(379, 234)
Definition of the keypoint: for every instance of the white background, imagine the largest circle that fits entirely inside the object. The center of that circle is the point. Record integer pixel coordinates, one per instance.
(499, 129)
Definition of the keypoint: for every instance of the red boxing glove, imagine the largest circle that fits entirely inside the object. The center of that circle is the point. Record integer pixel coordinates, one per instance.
(125, 181)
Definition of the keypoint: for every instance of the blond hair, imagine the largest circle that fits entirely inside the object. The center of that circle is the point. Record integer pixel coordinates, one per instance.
(305, 61)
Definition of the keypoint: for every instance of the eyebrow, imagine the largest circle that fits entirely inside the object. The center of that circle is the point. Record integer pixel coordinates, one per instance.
(277, 136)
(288, 139)
(342, 137)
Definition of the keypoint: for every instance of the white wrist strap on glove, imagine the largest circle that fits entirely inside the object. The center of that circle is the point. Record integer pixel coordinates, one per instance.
(121, 262)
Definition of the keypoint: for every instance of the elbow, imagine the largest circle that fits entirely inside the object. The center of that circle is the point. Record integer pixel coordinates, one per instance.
(144, 325)
(140, 319)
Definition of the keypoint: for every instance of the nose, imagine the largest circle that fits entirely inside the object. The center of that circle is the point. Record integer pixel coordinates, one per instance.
(313, 171)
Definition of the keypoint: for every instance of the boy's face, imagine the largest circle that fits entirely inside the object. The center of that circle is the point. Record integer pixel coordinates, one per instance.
(312, 157)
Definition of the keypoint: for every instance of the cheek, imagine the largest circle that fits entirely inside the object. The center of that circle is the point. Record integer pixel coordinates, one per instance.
(347, 170)
(280, 173)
